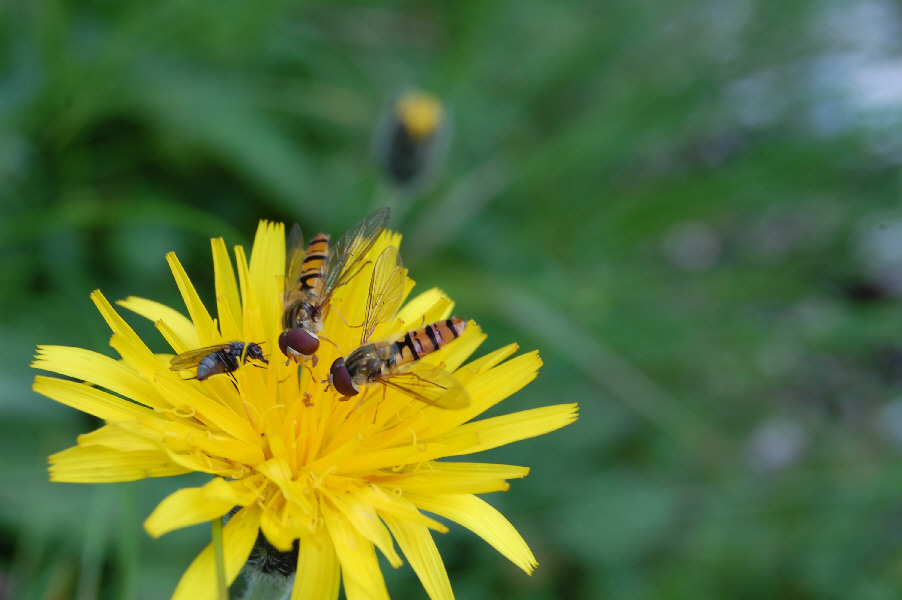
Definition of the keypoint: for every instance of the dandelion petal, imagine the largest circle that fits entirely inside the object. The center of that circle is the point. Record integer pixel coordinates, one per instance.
(203, 322)
(99, 369)
(483, 520)
(228, 302)
(190, 506)
(97, 464)
(359, 566)
(418, 546)
(498, 431)
(89, 399)
(154, 311)
(319, 573)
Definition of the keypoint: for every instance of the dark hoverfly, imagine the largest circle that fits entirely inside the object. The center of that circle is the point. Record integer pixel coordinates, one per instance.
(312, 276)
(213, 360)
(396, 364)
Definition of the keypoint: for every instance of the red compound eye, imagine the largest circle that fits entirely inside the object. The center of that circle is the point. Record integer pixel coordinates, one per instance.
(340, 379)
(298, 342)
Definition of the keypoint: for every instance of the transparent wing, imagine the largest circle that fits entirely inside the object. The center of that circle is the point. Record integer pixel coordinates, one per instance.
(431, 384)
(347, 253)
(191, 358)
(386, 291)
(294, 260)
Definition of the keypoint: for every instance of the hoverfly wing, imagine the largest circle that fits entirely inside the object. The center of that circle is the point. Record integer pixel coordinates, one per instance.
(386, 291)
(431, 384)
(347, 253)
(294, 261)
(191, 358)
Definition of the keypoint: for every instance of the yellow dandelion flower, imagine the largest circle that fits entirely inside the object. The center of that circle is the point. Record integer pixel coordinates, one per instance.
(325, 480)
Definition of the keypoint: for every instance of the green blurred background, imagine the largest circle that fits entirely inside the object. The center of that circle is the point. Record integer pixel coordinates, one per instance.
(692, 210)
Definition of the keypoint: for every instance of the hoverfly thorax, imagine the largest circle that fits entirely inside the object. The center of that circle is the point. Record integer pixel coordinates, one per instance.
(297, 314)
(365, 363)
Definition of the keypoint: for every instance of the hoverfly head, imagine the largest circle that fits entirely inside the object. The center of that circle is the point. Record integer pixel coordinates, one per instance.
(298, 343)
(340, 379)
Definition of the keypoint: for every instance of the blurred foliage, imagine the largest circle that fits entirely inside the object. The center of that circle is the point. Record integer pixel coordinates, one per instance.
(692, 210)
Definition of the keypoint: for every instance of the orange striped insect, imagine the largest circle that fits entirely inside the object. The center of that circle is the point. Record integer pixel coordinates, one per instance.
(396, 364)
(312, 276)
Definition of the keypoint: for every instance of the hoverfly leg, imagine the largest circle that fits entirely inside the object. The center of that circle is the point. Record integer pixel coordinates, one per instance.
(323, 337)
(304, 365)
(234, 381)
(340, 316)
(363, 396)
(378, 404)
(296, 360)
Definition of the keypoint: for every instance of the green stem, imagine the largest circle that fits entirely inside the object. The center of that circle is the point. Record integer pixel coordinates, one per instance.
(95, 539)
(127, 554)
(219, 557)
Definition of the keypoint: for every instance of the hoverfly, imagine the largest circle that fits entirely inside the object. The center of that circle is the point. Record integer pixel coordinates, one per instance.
(213, 360)
(312, 276)
(396, 363)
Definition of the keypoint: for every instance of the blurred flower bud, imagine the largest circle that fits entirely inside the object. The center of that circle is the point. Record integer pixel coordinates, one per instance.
(411, 136)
